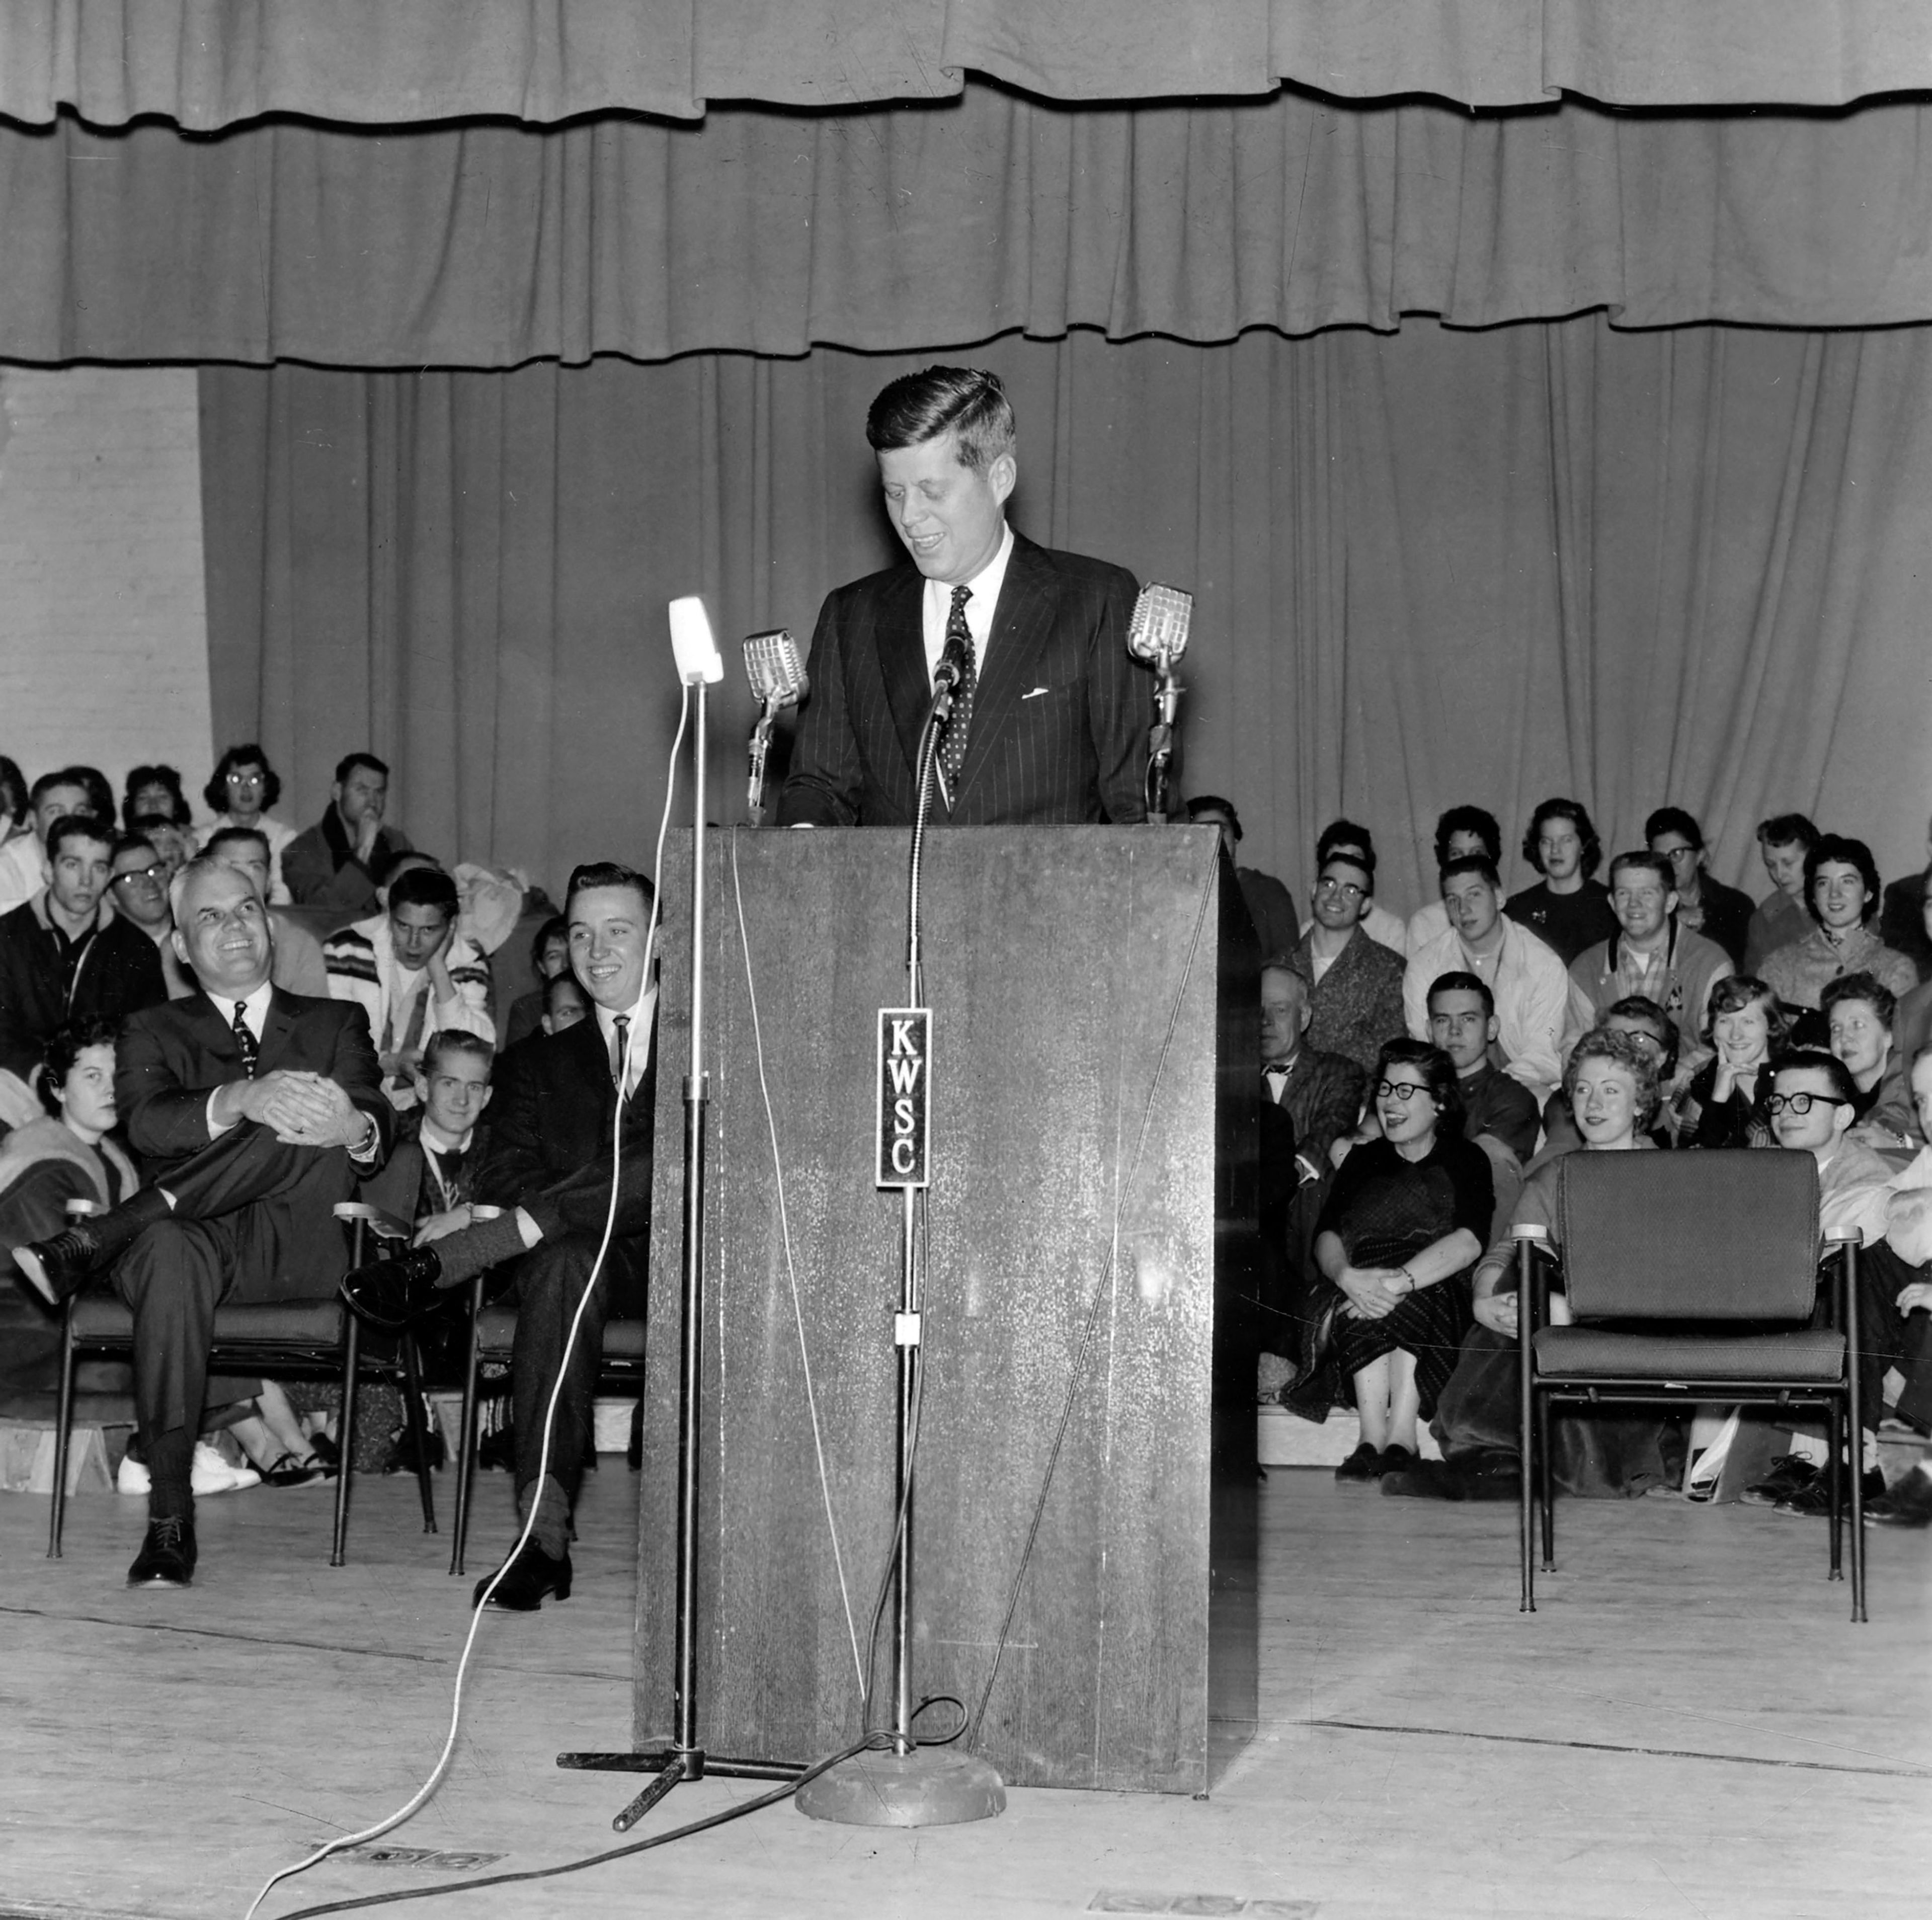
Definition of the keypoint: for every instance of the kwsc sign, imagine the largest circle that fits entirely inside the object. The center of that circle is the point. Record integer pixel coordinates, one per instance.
(904, 1103)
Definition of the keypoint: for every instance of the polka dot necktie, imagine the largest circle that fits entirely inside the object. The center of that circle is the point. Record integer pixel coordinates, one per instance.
(245, 1043)
(952, 748)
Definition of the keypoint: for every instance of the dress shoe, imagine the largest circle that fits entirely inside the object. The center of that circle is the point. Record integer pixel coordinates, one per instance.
(1395, 1459)
(289, 1472)
(1364, 1463)
(1788, 1473)
(391, 1294)
(57, 1269)
(1813, 1501)
(1906, 1502)
(528, 1576)
(1495, 1477)
(167, 1558)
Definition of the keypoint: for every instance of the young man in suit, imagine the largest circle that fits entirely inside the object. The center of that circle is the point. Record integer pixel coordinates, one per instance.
(1049, 724)
(562, 1103)
(253, 1110)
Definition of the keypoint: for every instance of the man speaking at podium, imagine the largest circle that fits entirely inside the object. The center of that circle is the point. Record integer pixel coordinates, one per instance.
(1050, 719)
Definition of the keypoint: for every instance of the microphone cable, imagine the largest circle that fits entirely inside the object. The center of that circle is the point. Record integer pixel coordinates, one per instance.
(421, 1795)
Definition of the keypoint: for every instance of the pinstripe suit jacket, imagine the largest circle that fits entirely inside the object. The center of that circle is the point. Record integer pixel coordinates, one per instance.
(1059, 727)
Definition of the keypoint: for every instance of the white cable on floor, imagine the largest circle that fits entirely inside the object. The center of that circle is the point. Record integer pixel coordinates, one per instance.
(791, 1275)
(422, 1794)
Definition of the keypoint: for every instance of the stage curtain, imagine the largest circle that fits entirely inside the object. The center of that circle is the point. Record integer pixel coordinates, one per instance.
(771, 232)
(209, 64)
(1429, 568)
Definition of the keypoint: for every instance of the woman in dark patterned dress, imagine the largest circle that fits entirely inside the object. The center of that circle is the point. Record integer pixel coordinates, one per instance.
(1406, 1221)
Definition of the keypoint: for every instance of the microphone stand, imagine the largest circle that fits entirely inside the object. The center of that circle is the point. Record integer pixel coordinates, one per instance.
(685, 1758)
(1167, 693)
(761, 741)
(909, 1786)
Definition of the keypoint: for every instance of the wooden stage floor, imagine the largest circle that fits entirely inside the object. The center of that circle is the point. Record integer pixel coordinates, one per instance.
(1690, 1727)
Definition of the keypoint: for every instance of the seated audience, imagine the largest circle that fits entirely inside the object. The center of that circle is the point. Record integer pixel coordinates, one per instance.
(1912, 1024)
(1656, 1033)
(1526, 980)
(298, 965)
(1270, 904)
(1461, 833)
(1462, 1022)
(1811, 1108)
(1348, 836)
(1901, 918)
(1858, 1014)
(155, 790)
(253, 1110)
(139, 889)
(100, 801)
(52, 797)
(66, 954)
(174, 845)
(1724, 1104)
(1704, 905)
(1841, 883)
(1318, 1095)
(23, 865)
(334, 863)
(1404, 1221)
(242, 789)
(550, 957)
(1653, 953)
(68, 1152)
(1568, 909)
(431, 1174)
(564, 1003)
(1354, 984)
(412, 972)
(1781, 916)
(1610, 1085)
(551, 1169)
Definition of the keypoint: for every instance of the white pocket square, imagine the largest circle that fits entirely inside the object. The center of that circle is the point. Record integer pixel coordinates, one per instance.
(1036, 693)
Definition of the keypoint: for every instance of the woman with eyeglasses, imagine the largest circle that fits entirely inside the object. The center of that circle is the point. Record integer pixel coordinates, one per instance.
(1405, 1220)
(1724, 1104)
(243, 788)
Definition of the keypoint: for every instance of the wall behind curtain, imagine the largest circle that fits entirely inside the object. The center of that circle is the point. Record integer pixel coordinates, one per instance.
(1429, 568)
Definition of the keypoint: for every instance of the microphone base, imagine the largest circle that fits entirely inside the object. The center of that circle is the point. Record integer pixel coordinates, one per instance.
(931, 1787)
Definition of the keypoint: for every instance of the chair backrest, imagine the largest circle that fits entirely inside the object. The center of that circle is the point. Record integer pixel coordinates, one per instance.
(1703, 1235)
(1506, 1180)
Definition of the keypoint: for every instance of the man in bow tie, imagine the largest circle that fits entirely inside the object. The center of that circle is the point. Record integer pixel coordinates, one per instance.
(562, 1102)
(253, 1110)
(1050, 719)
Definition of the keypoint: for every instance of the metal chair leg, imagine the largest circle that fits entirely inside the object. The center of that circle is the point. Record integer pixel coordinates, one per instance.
(466, 1454)
(1854, 1421)
(351, 1368)
(1834, 1491)
(63, 1435)
(1546, 1484)
(415, 1424)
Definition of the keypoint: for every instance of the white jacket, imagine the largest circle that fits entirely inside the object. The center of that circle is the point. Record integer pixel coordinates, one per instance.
(363, 967)
(1532, 990)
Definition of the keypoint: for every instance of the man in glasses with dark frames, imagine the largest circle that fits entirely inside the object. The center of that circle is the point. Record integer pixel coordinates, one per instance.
(139, 891)
(1812, 1104)
(1354, 984)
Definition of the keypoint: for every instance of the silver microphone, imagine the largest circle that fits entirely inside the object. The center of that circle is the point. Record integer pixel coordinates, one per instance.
(776, 673)
(1157, 631)
(778, 678)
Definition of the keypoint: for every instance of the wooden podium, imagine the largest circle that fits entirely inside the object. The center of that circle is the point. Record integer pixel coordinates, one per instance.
(1094, 1021)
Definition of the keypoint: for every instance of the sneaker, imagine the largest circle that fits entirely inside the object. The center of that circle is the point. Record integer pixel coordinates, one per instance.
(210, 1475)
(1813, 1499)
(1787, 1474)
(1364, 1463)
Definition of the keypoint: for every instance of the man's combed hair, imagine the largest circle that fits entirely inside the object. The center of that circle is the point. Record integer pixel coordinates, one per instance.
(1811, 1059)
(234, 836)
(607, 873)
(1479, 863)
(918, 407)
(425, 886)
(1643, 861)
(454, 1039)
(78, 827)
(1785, 829)
(1462, 983)
(348, 763)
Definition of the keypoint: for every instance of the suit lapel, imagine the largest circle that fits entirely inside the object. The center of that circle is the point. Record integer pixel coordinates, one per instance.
(1022, 621)
(211, 1033)
(898, 640)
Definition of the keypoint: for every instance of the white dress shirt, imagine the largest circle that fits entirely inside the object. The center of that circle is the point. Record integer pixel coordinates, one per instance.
(938, 607)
